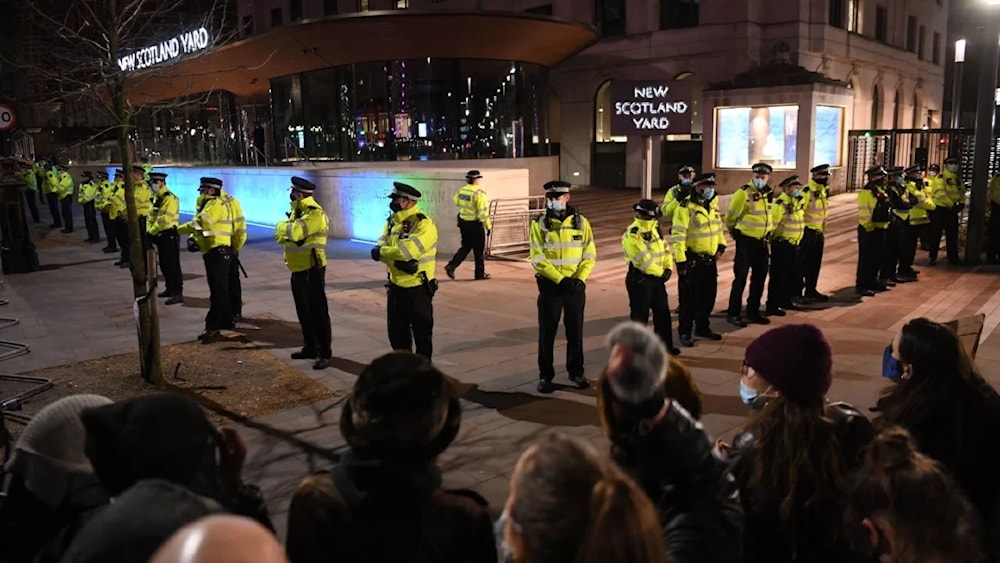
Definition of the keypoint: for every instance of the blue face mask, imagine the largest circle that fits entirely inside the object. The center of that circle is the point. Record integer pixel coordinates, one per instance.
(759, 183)
(891, 367)
(796, 193)
(556, 205)
(708, 193)
(747, 394)
(503, 550)
(686, 181)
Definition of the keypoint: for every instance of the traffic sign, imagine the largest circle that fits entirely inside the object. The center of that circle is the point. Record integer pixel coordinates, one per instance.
(7, 118)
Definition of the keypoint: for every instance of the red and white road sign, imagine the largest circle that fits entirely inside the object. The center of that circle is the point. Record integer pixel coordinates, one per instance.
(7, 118)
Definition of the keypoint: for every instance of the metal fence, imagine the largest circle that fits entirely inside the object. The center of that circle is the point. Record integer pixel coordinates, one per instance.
(511, 218)
(904, 147)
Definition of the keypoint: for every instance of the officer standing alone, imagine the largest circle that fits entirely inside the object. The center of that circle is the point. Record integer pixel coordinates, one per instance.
(788, 217)
(749, 222)
(408, 248)
(563, 254)
(650, 266)
(161, 227)
(473, 224)
(817, 209)
(303, 237)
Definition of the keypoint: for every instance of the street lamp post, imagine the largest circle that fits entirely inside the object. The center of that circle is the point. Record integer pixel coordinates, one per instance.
(985, 114)
(956, 91)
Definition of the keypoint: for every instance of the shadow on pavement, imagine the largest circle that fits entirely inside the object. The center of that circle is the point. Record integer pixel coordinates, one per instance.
(50, 267)
(521, 406)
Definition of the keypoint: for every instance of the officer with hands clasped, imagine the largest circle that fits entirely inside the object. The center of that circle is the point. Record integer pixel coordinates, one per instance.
(650, 265)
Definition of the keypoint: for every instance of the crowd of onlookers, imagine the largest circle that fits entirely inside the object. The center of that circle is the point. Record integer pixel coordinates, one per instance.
(806, 480)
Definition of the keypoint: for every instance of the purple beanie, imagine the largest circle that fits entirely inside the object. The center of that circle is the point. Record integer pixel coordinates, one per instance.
(796, 359)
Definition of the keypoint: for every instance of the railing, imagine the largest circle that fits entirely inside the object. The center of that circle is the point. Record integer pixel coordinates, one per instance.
(511, 219)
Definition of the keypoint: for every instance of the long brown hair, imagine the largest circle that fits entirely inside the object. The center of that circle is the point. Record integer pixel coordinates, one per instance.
(572, 507)
(922, 503)
(797, 465)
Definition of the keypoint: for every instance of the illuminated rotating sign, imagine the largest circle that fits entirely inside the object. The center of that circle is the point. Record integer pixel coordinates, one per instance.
(648, 108)
(184, 44)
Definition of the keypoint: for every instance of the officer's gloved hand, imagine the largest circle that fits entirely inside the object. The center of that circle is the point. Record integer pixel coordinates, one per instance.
(192, 245)
(408, 266)
(720, 250)
(566, 283)
(578, 284)
(681, 268)
(666, 275)
(376, 253)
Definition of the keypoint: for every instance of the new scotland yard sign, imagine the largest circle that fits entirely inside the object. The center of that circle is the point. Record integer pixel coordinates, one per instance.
(650, 108)
(170, 49)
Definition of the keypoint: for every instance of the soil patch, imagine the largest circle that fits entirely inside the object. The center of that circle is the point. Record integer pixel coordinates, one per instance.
(237, 375)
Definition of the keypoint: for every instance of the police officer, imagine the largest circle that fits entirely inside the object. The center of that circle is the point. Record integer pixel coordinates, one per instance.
(63, 189)
(650, 266)
(238, 240)
(85, 196)
(563, 254)
(105, 191)
(143, 203)
(29, 177)
(473, 224)
(678, 192)
(408, 247)
(815, 199)
(303, 237)
(788, 217)
(917, 221)
(161, 227)
(698, 243)
(896, 192)
(749, 222)
(874, 215)
(119, 217)
(211, 231)
(949, 200)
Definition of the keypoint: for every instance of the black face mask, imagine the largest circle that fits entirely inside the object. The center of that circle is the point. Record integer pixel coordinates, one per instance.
(395, 206)
(822, 181)
(291, 197)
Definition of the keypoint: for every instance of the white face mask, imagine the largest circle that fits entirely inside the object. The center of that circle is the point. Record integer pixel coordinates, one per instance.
(556, 205)
(952, 168)
(759, 183)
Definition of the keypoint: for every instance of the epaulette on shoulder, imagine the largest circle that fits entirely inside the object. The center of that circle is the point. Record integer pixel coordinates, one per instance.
(634, 230)
(420, 216)
(746, 187)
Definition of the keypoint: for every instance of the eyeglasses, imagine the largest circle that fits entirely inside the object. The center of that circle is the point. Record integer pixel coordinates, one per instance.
(744, 368)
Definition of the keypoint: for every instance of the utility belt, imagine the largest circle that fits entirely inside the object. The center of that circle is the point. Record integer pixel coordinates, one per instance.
(638, 275)
(696, 259)
(777, 240)
(426, 284)
(468, 222)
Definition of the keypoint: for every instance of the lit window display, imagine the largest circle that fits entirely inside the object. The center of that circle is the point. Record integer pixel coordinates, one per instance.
(829, 135)
(744, 135)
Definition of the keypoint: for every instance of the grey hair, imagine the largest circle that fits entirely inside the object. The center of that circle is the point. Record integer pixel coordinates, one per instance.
(646, 369)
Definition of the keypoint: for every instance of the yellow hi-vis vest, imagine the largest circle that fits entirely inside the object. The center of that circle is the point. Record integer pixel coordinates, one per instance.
(303, 235)
(788, 215)
(87, 192)
(696, 228)
(919, 213)
(645, 249)
(143, 198)
(473, 205)
(63, 185)
(29, 178)
(562, 248)
(873, 208)
(116, 201)
(750, 212)
(409, 235)
(948, 190)
(212, 225)
(239, 237)
(165, 213)
(817, 206)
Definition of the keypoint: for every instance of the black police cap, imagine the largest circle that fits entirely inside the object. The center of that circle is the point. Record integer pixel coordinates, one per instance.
(894, 170)
(138, 168)
(102, 174)
(119, 172)
(207, 182)
(934, 168)
(762, 168)
(87, 174)
(473, 174)
(707, 179)
(400, 189)
(685, 169)
(821, 169)
(790, 181)
(302, 185)
(951, 160)
(557, 187)
(875, 171)
(914, 169)
(647, 207)
(157, 177)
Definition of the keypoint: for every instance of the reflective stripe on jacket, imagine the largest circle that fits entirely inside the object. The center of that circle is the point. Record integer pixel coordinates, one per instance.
(697, 228)
(645, 248)
(562, 248)
(303, 235)
(409, 235)
(919, 214)
(788, 215)
(165, 213)
(212, 225)
(817, 206)
(473, 205)
(87, 192)
(749, 213)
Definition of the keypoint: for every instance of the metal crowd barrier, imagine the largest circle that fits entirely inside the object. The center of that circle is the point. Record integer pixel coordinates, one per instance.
(511, 220)
(36, 385)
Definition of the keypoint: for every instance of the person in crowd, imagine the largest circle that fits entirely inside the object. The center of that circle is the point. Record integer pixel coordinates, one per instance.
(667, 452)
(816, 202)
(748, 220)
(899, 202)
(795, 514)
(950, 410)
(874, 215)
(904, 507)
(222, 538)
(159, 450)
(384, 501)
(696, 234)
(161, 227)
(473, 224)
(650, 265)
(788, 218)
(568, 505)
(408, 248)
(680, 386)
(677, 193)
(948, 194)
(303, 238)
(918, 219)
(52, 490)
(563, 254)
(86, 194)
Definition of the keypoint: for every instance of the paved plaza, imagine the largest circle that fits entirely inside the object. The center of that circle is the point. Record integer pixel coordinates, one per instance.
(78, 307)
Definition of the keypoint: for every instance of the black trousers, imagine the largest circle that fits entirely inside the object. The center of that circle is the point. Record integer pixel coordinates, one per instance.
(697, 290)
(218, 262)
(784, 271)
(410, 319)
(751, 259)
(908, 245)
(944, 219)
(473, 239)
(29, 197)
(235, 287)
(90, 220)
(993, 245)
(53, 200)
(645, 294)
(554, 303)
(893, 242)
(109, 231)
(66, 206)
(168, 249)
(810, 261)
(122, 235)
(871, 251)
(309, 293)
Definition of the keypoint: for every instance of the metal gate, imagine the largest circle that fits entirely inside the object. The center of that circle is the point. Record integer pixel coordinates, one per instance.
(511, 218)
(904, 147)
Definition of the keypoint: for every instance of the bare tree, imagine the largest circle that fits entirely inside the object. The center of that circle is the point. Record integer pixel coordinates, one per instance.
(95, 53)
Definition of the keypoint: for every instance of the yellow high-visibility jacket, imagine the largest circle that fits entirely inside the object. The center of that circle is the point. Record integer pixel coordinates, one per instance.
(29, 178)
(696, 228)
(873, 208)
(473, 205)
(645, 249)
(788, 215)
(947, 190)
(165, 213)
(303, 235)
(562, 247)
(51, 182)
(143, 198)
(239, 237)
(750, 213)
(409, 235)
(816, 201)
(87, 192)
(63, 185)
(212, 225)
(116, 201)
(105, 189)
(919, 213)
